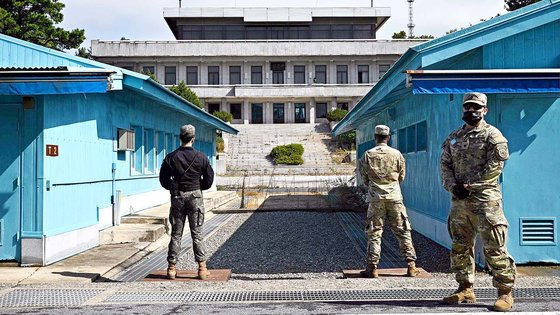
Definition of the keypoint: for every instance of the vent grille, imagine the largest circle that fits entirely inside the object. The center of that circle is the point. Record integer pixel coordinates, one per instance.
(538, 231)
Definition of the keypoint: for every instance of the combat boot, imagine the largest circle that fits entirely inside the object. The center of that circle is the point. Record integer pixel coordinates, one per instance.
(504, 302)
(203, 272)
(370, 272)
(171, 271)
(464, 294)
(412, 271)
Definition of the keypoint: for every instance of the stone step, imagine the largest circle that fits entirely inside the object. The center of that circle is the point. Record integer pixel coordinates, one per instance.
(143, 219)
(131, 233)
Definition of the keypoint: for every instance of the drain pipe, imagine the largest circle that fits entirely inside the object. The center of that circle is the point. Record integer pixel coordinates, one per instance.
(243, 192)
(116, 214)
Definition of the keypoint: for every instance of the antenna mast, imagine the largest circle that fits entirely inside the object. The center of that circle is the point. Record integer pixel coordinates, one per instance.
(410, 18)
(179, 3)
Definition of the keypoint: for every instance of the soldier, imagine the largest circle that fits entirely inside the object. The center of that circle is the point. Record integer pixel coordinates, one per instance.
(383, 169)
(471, 162)
(185, 172)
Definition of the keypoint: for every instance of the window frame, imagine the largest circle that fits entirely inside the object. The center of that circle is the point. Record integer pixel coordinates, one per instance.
(213, 75)
(168, 75)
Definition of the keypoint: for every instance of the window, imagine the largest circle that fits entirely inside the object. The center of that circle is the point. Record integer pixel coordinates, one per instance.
(277, 32)
(256, 75)
(213, 75)
(320, 74)
(422, 136)
(234, 75)
(161, 152)
(321, 110)
(342, 31)
(383, 69)
(213, 107)
(402, 140)
(147, 70)
(235, 32)
(342, 74)
(192, 75)
(213, 32)
(320, 31)
(191, 32)
(299, 74)
(256, 32)
(149, 151)
(136, 156)
(277, 77)
(413, 138)
(235, 110)
(169, 143)
(170, 75)
(364, 31)
(363, 74)
(342, 106)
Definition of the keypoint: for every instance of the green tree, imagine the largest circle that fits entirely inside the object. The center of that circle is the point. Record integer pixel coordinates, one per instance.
(402, 35)
(84, 53)
(399, 35)
(34, 21)
(512, 5)
(185, 92)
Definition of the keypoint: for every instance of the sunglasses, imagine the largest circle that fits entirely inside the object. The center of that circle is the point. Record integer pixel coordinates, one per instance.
(474, 106)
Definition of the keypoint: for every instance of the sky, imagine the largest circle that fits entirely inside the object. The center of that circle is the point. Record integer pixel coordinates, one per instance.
(143, 19)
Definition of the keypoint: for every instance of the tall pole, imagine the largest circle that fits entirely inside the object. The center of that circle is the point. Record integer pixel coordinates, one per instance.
(410, 18)
(179, 3)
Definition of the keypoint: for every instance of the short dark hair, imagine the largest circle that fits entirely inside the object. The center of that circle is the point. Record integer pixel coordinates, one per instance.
(185, 139)
(379, 138)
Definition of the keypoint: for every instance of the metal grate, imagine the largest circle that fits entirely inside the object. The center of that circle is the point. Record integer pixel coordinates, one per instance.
(46, 297)
(538, 231)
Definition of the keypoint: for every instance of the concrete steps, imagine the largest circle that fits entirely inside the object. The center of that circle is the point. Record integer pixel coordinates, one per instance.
(131, 233)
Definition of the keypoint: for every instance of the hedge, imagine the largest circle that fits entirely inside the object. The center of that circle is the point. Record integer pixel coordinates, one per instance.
(225, 116)
(290, 154)
(220, 144)
(337, 114)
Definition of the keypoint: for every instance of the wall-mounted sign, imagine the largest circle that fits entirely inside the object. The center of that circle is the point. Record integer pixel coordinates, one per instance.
(52, 150)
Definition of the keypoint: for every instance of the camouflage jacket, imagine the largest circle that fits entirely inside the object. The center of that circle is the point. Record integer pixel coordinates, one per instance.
(383, 169)
(475, 157)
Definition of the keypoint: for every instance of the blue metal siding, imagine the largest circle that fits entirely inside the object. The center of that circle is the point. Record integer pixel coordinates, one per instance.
(20, 54)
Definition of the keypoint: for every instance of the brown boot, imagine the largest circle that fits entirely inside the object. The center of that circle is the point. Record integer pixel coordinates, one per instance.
(171, 271)
(203, 272)
(412, 271)
(504, 303)
(370, 272)
(464, 294)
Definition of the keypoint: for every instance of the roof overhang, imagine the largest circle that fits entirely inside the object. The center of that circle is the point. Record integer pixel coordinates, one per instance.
(485, 81)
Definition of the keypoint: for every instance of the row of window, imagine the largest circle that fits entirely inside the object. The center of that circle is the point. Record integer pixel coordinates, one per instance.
(236, 32)
(413, 138)
(278, 109)
(278, 71)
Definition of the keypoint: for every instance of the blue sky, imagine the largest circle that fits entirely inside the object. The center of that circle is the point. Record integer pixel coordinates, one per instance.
(143, 19)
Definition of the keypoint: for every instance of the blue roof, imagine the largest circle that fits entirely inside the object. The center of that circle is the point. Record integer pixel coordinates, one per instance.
(16, 53)
(456, 43)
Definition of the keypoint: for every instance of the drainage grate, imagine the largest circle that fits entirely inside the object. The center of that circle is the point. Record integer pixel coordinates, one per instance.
(46, 297)
(158, 260)
(308, 296)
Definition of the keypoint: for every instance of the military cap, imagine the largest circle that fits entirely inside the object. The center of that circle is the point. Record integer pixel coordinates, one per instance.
(475, 97)
(382, 130)
(187, 130)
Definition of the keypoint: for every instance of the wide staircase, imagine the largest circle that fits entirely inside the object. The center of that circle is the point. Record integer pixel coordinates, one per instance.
(248, 151)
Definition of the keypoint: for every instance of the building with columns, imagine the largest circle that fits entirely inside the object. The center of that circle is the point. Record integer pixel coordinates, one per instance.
(270, 62)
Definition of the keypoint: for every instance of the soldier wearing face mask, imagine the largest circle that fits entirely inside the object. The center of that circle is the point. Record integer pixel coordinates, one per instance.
(472, 159)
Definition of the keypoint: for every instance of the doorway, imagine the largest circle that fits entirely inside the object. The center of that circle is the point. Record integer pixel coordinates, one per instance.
(257, 113)
(278, 113)
(299, 111)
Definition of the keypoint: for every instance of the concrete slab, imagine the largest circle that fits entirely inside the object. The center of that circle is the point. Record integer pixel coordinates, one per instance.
(216, 275)
(389, 272)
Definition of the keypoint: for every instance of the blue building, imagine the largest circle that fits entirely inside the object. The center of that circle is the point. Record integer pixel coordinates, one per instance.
(515, 59)
(73, 132)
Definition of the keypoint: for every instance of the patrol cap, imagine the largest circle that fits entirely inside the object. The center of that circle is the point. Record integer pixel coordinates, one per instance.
(187, 131)
(475, 97)
(382, 130)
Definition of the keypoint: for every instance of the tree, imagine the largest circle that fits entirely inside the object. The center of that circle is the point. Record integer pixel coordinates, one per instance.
(34, 21)
(399, 35)
(512, 5)
(402, 35)
(84, 53)
(185, 92)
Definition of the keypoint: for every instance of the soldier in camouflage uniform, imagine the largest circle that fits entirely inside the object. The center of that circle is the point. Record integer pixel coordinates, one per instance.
(471, 162)
(383, 169)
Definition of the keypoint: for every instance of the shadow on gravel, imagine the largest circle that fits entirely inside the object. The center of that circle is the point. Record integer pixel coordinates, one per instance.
(431, 304)
(287, 242)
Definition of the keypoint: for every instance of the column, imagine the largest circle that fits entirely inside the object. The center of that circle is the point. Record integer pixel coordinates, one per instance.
(312, 105)
(246, 112)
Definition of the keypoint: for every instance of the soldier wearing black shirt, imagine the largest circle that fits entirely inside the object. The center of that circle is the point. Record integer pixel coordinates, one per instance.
(185, 172)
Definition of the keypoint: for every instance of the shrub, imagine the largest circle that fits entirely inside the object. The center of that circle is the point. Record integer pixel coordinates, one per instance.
(225, 116)
(337, 114)
(185, 92)
(347, 140)
(290, 154)
(220, 144)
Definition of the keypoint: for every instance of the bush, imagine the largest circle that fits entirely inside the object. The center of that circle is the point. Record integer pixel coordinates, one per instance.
(185, 92)
(220, 146)
(337, 114)
(290, 154)
(347, 140)
(225, 116)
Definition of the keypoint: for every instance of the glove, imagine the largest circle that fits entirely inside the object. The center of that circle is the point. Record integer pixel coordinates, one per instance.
(460, 192)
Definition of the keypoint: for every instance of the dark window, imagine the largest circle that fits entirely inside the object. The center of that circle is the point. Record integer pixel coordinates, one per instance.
(363, 74)
(340, 31)
(170, 75)
(299, 111)
(342, 106)
(192, 75)
(298, 32)
(213, 107)
(383, 69)
(235, 110)
(235, 32)
(320, 74)
(277, 77)
(421, 136)
(147, 70)
(320, 31)
(192, 32)
(342, 74)
(256, 32)
(321, 110)
(299, 74)
(364, 31)
(213, 75)
(411, 139)
(213, 32)
(277, 32)
(256, 75)
(234, 75)
(402, 140)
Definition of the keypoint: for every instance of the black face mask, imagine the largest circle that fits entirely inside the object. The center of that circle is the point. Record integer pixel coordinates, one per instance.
(472, 118)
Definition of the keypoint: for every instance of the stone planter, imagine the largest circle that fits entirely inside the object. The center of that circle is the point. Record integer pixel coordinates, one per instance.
(221, 163)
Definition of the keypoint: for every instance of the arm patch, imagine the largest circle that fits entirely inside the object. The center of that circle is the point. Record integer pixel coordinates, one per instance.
(502, 151)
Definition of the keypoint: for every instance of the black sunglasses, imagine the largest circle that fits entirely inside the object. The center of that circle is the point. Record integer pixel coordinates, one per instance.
(474, 106)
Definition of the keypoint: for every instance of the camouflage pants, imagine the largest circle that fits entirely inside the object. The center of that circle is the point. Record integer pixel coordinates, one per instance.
(395, 212)
(468, 217)
(189, 204)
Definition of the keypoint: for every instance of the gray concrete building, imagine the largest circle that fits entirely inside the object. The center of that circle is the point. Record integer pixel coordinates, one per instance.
(270, 61)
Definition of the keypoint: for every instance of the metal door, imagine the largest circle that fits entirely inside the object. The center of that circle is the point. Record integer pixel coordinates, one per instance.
(256, 113)
(9, 182)
(299, 109)
(278, 113)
